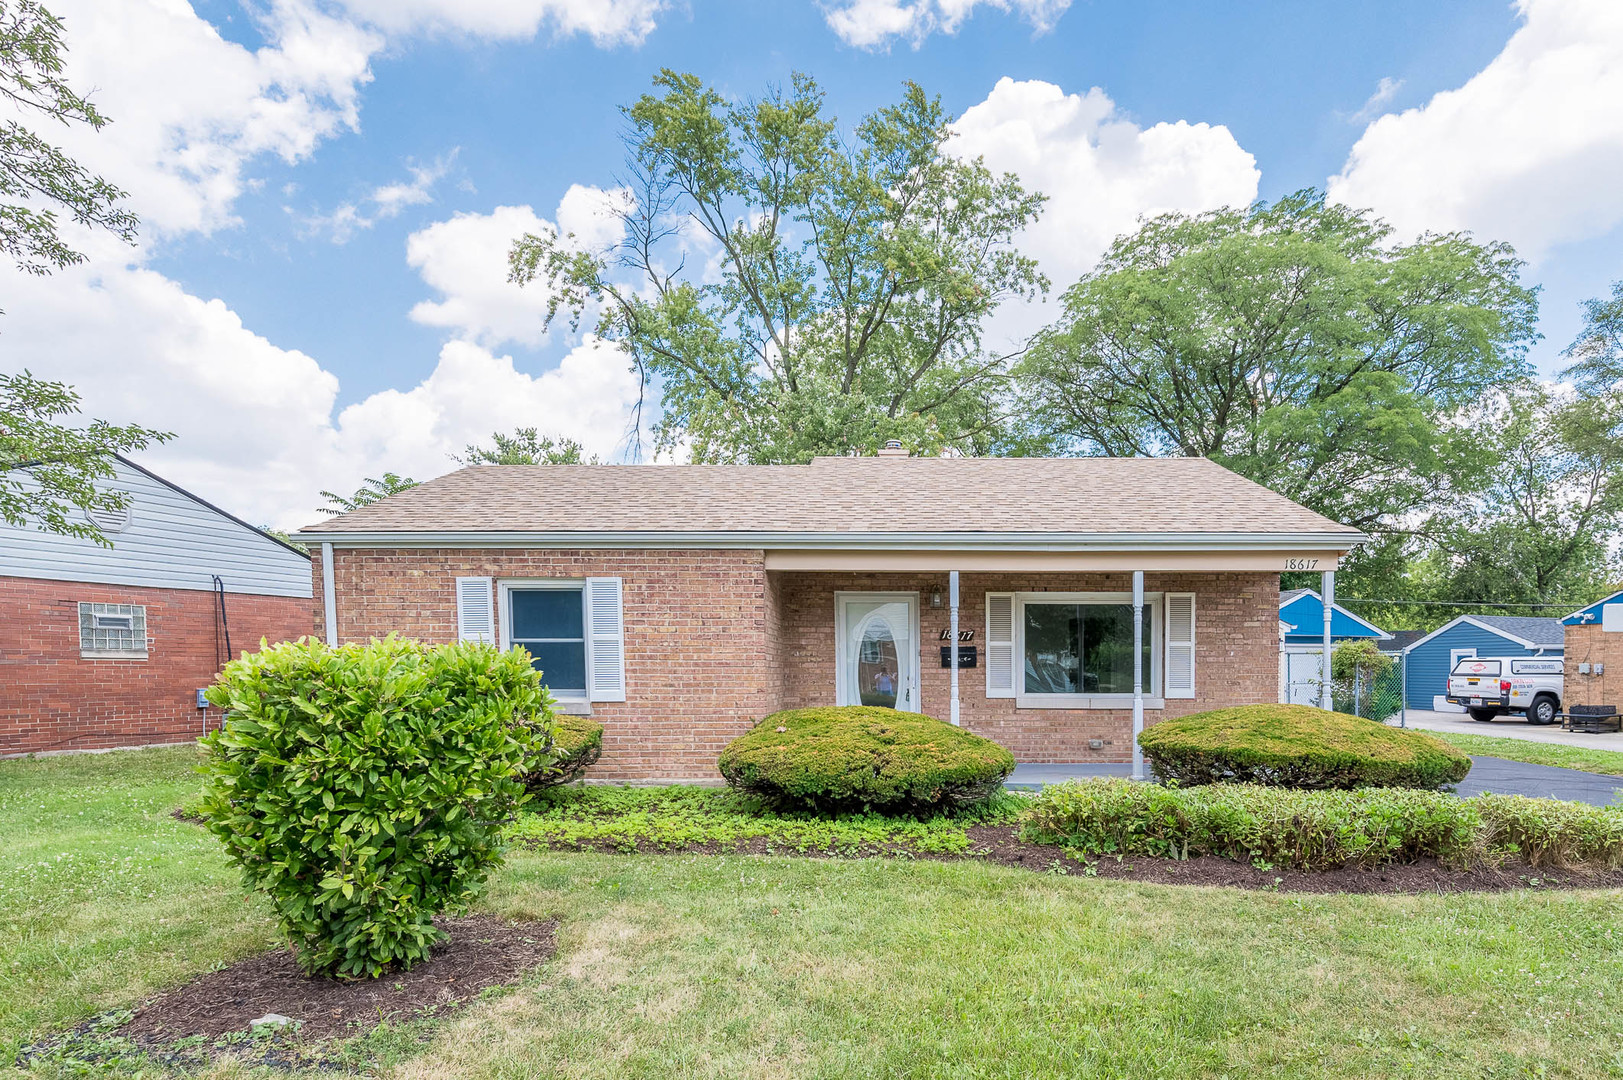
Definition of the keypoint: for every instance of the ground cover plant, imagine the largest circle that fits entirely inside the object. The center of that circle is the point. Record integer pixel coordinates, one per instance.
(682, 816)
(1587, 759)
(1298, 746)
(1319, 830)
(752, 967)
(864, 757)
(364, 788)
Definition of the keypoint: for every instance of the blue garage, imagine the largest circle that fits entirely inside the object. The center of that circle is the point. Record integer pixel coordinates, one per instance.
(1428, 661)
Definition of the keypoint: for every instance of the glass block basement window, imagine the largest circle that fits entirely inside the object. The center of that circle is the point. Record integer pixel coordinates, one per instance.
(113, 629)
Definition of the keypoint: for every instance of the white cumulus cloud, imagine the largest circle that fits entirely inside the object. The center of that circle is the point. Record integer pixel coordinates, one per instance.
(1100, 170)
(190, 110)
(464, 258)
(1528, 150)
(874, 24)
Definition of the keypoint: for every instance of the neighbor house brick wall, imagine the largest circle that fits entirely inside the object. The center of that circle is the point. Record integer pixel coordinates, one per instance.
(1236, 653)
(698, 638)
(1591, 645)
(53, 699)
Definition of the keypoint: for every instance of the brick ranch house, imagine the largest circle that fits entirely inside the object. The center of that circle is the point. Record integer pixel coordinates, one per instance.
(679, 604)
(107, 646)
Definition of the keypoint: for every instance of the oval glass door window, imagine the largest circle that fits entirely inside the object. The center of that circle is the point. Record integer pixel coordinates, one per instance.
(878, 651)
(878, 666)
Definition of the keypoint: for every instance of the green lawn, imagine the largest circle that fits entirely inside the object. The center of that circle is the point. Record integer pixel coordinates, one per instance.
(736, 966)
(1609, 762)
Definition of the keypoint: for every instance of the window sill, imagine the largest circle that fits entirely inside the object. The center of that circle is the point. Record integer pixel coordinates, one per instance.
(1085, 701)
(573, 706)
(112, 655)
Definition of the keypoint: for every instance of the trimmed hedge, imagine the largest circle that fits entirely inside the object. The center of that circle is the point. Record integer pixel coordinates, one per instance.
(577, 743)
(1298, 746)
(364, 788)
(864, 756)
(1321, 830)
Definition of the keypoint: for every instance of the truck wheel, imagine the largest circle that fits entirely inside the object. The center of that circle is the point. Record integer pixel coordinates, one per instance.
(1542, 711)
(1482, 715)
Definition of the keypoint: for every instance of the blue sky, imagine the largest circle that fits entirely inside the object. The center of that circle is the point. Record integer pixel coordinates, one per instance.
(321, 180)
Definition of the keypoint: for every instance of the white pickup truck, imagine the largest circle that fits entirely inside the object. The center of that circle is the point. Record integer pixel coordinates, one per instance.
(1490, 686)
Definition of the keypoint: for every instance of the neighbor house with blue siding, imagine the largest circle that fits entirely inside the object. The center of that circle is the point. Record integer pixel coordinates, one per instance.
(1301, 641)
(1428, 661)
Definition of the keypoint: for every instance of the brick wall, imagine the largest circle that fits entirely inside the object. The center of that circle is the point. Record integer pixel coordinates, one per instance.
(52, 699)
(714, 642)
(1592, 645)
(1236, 653)
(697, 638)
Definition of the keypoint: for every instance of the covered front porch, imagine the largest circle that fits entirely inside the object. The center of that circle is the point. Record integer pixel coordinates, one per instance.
(1045, 643)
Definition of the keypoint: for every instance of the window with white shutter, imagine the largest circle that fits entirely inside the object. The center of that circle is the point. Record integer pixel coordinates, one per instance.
(606, 647)
(999, 645)
(475, 610)
(1180, 648)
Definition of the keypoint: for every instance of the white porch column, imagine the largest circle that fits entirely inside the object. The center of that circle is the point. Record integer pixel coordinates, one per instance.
(329, 597)
(1138, 672)
(1328, 592)
(952, 656)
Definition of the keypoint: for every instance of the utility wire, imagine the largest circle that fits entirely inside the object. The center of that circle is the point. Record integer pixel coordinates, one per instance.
(1449, 603)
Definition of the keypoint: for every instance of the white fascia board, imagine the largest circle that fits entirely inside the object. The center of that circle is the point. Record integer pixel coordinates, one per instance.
(847, 541)
(1523, 642)
(1302, 594)
(1601, 603)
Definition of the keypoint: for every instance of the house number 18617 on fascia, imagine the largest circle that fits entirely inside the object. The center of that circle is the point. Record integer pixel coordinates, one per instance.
(1301, 564)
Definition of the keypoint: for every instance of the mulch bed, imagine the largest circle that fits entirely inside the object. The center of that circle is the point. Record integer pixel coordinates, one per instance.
(1002, 845)
(482, 952)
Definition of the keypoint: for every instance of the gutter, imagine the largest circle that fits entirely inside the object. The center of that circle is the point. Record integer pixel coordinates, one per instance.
(842, 541)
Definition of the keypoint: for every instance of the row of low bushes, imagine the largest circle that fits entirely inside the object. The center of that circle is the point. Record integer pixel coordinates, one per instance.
(1319, 830)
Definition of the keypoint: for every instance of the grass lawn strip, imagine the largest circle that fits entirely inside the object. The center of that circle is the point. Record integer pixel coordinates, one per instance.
(1606, 762)
(739, 966)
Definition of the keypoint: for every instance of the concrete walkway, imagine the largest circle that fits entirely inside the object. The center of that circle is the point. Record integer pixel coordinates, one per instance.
(1487, 774)
(1510, 727)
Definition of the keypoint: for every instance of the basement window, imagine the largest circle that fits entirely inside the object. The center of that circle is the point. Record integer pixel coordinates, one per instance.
(113, 631)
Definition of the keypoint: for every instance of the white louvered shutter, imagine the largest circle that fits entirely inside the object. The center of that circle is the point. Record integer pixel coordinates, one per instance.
(999, 645)
(475, 610)
(605, 640)
(1180, 658)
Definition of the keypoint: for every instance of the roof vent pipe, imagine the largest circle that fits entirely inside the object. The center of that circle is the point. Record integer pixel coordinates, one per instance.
(893, 448)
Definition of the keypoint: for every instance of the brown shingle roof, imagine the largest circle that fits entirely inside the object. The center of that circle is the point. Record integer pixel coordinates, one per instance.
(846, 495)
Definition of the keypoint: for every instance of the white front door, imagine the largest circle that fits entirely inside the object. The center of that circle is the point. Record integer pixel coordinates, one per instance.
(877, 636)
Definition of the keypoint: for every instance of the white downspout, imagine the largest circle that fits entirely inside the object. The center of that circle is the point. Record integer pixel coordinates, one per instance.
(1328, 579)
(952, 600)
(329, 596)
(1138, 672)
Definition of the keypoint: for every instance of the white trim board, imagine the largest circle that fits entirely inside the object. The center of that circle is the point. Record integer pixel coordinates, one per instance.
(1523, 642)
(1381, 635)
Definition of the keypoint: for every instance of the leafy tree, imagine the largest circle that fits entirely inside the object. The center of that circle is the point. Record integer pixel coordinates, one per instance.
(372, 490)
(1597, 352)
(525, 446)
(1538, 537)
(48, 469)
(32, 171)
(839, 283)
(1295, 343)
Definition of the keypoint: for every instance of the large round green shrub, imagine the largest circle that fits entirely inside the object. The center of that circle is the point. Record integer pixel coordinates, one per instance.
(1298, 746)
(364, 788)
(864, 756)
(577, 743)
